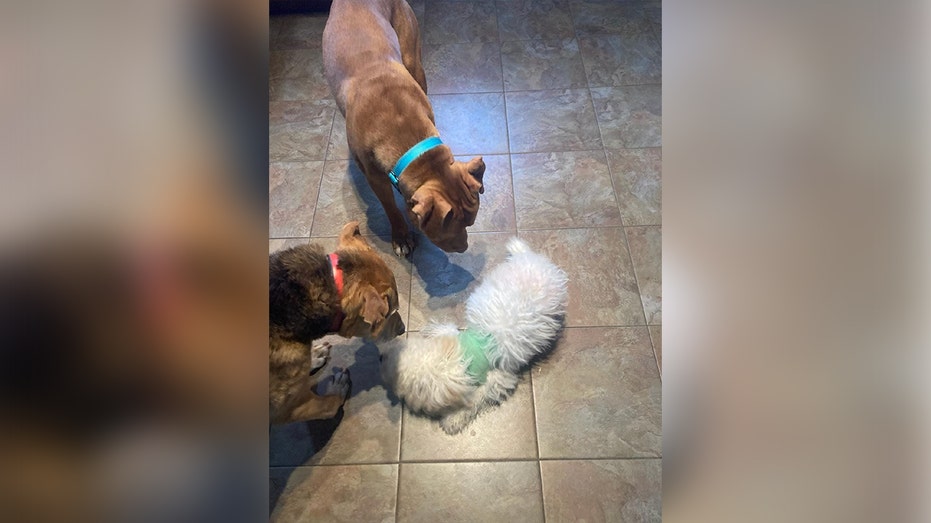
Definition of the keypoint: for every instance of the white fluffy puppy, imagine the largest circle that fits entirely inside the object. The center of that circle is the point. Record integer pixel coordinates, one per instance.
(514, 315)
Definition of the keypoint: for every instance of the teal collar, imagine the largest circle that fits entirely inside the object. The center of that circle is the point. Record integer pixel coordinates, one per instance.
(412, 154)
(475, 353)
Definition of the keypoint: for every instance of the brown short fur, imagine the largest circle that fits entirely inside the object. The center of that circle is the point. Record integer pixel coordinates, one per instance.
(303, 304)
(371, 54)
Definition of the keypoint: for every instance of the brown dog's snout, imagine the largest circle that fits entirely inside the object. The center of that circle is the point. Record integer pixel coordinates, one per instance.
(454, 246)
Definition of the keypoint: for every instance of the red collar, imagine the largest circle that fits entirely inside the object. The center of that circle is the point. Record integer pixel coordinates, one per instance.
(338, 280)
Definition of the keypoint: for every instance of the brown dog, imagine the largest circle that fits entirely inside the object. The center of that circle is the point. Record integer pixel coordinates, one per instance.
(371, 55)
(351, 292)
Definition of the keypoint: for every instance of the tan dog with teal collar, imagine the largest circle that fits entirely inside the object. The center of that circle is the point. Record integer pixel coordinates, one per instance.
(515, 315)
(371, 56)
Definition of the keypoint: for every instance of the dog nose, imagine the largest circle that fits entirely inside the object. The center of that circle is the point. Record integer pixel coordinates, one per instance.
(400, 329)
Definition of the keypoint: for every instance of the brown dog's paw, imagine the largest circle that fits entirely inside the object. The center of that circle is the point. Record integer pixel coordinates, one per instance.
(338, 384)
(403, 246)
(319, 354)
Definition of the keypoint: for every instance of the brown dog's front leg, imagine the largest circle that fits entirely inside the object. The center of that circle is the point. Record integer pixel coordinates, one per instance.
(401, 238)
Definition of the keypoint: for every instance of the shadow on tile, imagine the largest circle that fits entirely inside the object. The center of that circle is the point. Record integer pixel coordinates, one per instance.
(301, 440)
(439, 275)
(345, 195)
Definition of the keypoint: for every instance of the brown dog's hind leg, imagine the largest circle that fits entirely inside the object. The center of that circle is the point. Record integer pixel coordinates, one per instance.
(408, 31)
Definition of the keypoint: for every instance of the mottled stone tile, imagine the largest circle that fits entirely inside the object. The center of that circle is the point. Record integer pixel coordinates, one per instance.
(646, 251)
(280, 244)
(496, 210)
(534, 19)
(302, 88)
(299, 131)
(561, 120)
(304, 31)
(472, 123)
(629, 116)
(292, 197)
(598, 395)
(280, 113)
(462, 68)
(419, 7)
(505, 432)
(656, 334)
(345, 195)
(571, 189)
(542, 64)
(637, 175)
(603, 490)
(653, 11)
(369, 429)
(602, 287)
(467, 492)
(338, 494)
(443, 281)
(274, 29)
(296, 63)
(338, 148)
(612, 60)
(591, 17)
(297, 75)
(454, 22)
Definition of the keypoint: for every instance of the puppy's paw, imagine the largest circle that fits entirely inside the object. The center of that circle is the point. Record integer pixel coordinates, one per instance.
(319, 354)
(455, 423)
(338, 384)
(403, 245)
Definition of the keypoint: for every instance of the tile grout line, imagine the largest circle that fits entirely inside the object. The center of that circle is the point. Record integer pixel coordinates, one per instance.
(536, 436)
(653, 346)
(509, 231)
(319, 191)
(517, 91)
(633, 268)
(473, 460)
(507, 122)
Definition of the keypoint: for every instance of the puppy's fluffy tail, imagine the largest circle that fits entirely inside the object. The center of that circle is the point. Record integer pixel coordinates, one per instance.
(517, 246)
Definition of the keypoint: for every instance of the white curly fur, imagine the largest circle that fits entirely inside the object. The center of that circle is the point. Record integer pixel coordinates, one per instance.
(521, 303)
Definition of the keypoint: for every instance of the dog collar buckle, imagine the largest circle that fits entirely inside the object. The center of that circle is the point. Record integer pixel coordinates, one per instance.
(412, 154)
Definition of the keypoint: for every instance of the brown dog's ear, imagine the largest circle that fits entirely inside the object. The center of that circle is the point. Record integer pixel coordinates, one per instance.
(421, 206)
(351, 235)
(476, 168)
(351, 229)
(376, 306)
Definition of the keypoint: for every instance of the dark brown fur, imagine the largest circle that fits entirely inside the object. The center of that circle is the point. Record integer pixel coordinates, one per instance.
(372, 58)
(303, 304)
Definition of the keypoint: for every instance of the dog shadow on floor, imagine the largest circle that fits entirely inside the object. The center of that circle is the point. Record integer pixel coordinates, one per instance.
(441, 277)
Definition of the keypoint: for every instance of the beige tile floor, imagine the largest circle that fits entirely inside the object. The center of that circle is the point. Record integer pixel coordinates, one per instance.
(562, 98)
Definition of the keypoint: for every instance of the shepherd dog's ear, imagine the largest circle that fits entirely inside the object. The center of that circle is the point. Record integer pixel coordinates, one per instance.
(375, 307)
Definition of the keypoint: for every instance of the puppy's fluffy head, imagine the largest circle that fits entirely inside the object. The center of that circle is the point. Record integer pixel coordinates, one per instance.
(428, 373)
